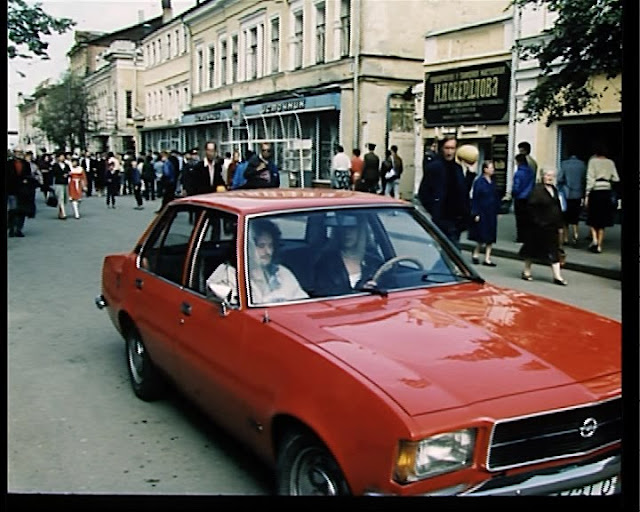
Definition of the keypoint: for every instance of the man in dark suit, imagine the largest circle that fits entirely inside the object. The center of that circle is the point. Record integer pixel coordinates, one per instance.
(370, 171)
(206, 175)
(443, 192)
(21, 186)
(90, 166)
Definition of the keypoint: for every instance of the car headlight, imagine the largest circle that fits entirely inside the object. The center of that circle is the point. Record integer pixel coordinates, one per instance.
(435, 455)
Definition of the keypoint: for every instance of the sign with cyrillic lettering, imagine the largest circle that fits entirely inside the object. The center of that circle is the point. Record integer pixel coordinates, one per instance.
(471, 95)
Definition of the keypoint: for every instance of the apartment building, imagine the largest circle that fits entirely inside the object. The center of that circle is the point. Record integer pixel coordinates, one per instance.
(110, 65)
(307, 75)
(166, 86)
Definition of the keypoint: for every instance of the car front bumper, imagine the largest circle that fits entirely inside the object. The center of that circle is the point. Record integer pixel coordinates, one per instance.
(593, 477)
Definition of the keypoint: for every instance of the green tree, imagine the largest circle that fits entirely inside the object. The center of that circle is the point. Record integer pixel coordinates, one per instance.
(26, 24)
(584, 42)
(63, 115)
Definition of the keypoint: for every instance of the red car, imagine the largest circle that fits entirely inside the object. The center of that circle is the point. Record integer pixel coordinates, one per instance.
(346, 341)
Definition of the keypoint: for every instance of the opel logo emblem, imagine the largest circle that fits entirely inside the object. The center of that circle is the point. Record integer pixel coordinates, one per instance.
(589, 427)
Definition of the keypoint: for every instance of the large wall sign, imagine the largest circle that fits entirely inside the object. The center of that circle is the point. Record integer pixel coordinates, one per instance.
(471, 95)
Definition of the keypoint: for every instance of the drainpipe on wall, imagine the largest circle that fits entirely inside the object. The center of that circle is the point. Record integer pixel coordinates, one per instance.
(517, 21)
(356, 74)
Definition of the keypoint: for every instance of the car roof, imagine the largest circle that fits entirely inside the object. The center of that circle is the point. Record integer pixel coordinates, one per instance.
(251, 201)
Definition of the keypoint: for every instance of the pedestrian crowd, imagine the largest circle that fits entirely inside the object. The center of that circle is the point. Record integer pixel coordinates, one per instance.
(547, 204)
(66, 178)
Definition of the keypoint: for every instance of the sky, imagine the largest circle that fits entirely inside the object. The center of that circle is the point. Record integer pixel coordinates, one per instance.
(93, 15)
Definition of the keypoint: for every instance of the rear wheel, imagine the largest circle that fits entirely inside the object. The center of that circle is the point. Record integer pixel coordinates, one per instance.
(307, 468)
(146, 382)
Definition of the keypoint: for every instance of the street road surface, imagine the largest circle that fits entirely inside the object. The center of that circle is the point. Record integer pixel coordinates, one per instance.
(74, 425)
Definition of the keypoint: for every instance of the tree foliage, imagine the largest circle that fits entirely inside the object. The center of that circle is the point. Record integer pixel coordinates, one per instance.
(584, 42)
(63, 114)
(27, 24)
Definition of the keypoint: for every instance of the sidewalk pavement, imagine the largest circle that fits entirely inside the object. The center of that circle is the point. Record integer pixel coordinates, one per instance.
(605, 264)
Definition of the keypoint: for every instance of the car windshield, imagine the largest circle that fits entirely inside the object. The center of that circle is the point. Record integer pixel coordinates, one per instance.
(306, 255)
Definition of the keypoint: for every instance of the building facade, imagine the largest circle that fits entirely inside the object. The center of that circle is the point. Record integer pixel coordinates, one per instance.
(577, 134)
(475, 86)
(467, 91)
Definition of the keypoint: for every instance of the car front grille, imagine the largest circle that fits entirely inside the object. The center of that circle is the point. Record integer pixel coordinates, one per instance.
(555, 434)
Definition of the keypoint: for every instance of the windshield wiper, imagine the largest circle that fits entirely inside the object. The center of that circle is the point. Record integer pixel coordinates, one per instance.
(427, 278)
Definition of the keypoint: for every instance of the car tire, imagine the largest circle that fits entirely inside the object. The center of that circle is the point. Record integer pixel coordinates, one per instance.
(146, 382)
(305, 467)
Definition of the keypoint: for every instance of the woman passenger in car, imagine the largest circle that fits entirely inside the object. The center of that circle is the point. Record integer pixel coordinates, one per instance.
(269, 281)
(346, 266)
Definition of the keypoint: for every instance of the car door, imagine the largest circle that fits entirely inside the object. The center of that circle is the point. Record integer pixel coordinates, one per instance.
(159, 278)
(209, 343)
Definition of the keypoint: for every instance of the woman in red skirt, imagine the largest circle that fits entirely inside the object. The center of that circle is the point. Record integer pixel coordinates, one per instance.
(77, 185)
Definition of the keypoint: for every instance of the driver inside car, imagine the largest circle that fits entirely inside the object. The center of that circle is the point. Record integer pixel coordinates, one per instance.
(346, 266)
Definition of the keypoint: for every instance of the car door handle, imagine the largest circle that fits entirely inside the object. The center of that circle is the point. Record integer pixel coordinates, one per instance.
(185, 307)
(139, 282)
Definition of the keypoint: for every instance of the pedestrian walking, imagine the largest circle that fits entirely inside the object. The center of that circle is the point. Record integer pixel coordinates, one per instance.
(523, 182)
(238, 176)
(261, 171)
(357, 165)
(524, 148)
(77, 185)
(231, 168)
(207, 173)
(101, 171)
(392, 177)
(158, 166)
(601, 199)
(370, 171)
(542, 240)
(443, 192)
(572, 182)
(485, 205)
(169, 178)
(340, 173)
(60, 173)
(149, 179)
(89, 165)
(20, 186)
(136, 181)
(112, 180)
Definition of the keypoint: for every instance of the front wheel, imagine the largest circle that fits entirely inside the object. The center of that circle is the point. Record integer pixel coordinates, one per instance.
(307, 468)
(146, 382)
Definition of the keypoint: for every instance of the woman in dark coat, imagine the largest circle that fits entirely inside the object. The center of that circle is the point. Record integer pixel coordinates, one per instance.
(485, 205)
(546, 223)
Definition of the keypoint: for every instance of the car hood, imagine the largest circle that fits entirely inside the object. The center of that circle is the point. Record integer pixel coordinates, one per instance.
(450, 347)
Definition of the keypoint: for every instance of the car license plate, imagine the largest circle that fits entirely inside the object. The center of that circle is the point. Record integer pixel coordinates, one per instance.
(602, 488)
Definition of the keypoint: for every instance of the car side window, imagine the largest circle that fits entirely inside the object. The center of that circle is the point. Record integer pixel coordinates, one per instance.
(215, 248)
(166, 250)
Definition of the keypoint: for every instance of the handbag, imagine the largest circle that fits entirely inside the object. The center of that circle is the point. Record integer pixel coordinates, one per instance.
(52, 200)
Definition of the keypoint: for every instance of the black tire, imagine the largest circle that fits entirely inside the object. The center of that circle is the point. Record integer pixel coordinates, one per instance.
(146, 382)
(306, 468)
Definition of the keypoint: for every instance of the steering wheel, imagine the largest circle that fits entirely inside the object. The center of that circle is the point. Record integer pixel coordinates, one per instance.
(387, 265)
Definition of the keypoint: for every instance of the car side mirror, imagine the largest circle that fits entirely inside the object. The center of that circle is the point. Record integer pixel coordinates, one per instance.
(220, 294)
